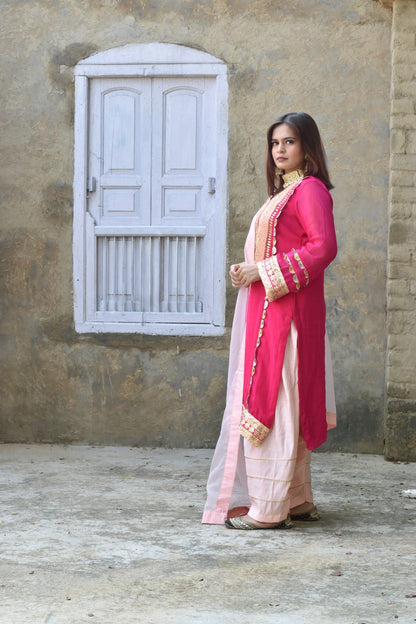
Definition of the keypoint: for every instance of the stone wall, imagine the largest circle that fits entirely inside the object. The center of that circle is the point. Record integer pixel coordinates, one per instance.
(401, 282)
(331, 59)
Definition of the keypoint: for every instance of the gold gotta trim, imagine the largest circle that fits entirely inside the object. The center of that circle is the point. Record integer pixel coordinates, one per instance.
(253, 370)
(292, 176)
(302, 266)
(252, 429)
(266, 221)
(292, 271)
(272, 277)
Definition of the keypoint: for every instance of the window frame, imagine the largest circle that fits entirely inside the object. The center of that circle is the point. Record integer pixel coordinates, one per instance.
(147, 60)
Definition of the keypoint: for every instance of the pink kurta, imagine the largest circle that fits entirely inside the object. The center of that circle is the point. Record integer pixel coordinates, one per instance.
(305, 244)
(299, 245)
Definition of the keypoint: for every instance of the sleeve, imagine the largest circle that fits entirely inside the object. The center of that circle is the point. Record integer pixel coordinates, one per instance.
(283, 273)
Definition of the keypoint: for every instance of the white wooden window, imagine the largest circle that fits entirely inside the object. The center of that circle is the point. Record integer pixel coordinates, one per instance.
(150, 191)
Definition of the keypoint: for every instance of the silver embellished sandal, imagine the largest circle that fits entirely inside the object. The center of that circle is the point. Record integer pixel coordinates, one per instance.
(246, 525)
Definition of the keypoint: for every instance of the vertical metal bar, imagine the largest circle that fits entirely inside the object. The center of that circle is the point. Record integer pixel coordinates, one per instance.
(102, 267)
(107, 273)
(141, 272)
(114, 273)
(192, 268)
(166, 274)
(177, 273)
(156, 274)
(185, 272)
(134, 276)
(129, 271)
(98, 295)
(117, 273)
(110, 274)
(122, 287)
(149, 273)
(145, 245)
(198, 306)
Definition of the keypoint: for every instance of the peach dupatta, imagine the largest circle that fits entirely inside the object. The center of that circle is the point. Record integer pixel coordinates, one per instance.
(227, 482)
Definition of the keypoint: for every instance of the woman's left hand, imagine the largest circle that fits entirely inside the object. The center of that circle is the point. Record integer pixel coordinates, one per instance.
(244, 274)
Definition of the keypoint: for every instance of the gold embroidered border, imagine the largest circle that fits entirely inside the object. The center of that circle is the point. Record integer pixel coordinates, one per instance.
(252, 429)
(272, 278)
(261, 230)
(302, 266)
(266, 222)
(292, 271)
(271, 236)
(260, 334)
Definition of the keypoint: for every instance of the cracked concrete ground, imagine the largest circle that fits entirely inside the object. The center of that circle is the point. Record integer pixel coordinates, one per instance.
(113, 534)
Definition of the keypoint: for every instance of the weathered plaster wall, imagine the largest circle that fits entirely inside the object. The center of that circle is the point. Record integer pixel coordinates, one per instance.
(329, 58)
(401, 359)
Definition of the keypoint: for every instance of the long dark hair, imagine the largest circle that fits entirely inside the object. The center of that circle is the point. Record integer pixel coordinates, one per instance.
(308, 133)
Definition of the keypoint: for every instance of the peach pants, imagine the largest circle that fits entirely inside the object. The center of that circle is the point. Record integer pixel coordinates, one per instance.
(278, 471)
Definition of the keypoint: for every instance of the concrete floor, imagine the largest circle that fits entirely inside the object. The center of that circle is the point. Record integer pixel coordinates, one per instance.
(112, 535)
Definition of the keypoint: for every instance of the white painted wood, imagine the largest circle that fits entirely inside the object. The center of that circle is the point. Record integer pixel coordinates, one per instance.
(120, 151)
(150, 54)
(127, 279)
(217, 214)
(134, 70)
(149, 245)
(90, 268)
(80, 199)
(184, 108)
(157, 230)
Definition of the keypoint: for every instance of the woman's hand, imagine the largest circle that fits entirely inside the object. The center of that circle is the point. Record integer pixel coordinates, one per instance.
(243, 274)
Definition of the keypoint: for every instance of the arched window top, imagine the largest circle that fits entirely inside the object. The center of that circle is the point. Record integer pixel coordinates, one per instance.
(151, 59)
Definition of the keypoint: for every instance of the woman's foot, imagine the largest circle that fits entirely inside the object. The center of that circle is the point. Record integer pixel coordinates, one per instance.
(256, 523)
(237, 511)
(306, 511)
(302, 509)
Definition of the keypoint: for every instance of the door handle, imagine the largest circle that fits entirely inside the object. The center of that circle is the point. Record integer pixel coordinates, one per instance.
(211, 185)
(92, 184)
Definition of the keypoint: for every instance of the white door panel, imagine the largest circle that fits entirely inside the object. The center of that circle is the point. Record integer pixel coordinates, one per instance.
(120, 150)
(184, 149)
(182, 128)
(151, 154)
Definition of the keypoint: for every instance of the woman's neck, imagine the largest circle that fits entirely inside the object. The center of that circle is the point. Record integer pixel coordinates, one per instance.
(292, 176)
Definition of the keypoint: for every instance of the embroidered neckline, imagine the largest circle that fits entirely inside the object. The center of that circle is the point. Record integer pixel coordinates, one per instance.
(292, 176)
(265, 246)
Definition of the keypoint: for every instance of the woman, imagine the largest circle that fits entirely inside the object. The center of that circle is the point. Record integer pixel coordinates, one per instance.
(280, 399)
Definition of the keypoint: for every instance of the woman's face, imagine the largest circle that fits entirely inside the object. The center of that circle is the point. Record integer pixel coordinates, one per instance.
(286, 149)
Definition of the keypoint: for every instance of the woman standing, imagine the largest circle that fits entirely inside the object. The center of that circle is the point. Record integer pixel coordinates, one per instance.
(280, 399)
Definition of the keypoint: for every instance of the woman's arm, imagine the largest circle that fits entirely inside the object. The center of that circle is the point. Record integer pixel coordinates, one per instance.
(289, 272)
